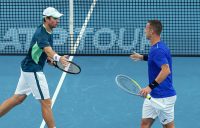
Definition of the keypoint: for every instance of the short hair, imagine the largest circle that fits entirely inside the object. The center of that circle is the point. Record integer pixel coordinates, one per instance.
(48, 17)
(156, 26)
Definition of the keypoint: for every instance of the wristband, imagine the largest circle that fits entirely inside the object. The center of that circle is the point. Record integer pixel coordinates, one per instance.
(145, 57)
(56, 57)
(153, 85)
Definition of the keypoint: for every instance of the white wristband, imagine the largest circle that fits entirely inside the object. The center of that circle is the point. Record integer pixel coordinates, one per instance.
(56, 57)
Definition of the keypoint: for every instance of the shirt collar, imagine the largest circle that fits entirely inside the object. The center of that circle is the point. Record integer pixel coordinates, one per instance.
(46, 29)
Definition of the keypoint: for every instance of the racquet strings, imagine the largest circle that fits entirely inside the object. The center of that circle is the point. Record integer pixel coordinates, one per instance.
(127, 84)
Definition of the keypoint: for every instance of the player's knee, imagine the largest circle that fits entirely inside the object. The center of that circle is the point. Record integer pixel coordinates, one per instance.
(46, 103)
(169, 125)
(145, 124)
(19, 99)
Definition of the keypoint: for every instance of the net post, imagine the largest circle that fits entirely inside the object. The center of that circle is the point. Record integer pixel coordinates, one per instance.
(71, 25)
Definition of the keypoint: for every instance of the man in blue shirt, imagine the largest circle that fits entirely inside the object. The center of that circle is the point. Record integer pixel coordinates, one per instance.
(160, 79)
(32, 79)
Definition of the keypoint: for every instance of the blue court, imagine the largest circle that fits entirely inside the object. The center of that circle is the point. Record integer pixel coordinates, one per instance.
(92, 100)
(101, 27)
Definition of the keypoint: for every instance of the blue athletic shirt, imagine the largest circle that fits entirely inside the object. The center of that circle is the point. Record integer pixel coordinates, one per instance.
(160, 54)
(36, 57)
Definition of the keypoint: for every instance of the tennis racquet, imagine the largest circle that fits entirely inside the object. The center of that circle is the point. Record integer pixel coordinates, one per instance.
(71, 68)
(132, 87)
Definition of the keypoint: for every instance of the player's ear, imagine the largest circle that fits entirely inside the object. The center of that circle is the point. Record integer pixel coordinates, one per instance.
(46, 18)
(151, 31)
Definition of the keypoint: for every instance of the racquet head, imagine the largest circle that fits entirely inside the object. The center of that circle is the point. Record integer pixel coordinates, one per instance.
(71, 68)
(127, 84)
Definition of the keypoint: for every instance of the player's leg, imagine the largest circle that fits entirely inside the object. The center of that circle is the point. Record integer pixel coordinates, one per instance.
(40, 91)
(47, 112)
(146, 122)
(166, 115)
(148, 114)
(8, 104)
(20, 95)
(169, 125)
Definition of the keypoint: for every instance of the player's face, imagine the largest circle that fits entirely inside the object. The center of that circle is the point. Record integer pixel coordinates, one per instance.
(53, 22)
(148, 31)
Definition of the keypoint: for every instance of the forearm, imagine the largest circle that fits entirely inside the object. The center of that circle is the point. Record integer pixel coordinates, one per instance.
(53, 55)
(165, 71)
(50, 52)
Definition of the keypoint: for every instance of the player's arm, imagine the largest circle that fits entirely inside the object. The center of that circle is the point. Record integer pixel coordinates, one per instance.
(165, 71)
(161, 61)
(53, 55)
(137, 56)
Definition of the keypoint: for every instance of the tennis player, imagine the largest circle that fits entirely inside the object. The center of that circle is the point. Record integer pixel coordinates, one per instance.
(160, 79)
(32, 79)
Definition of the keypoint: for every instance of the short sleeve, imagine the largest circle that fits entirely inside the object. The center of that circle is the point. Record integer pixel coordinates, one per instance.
(160, 57)
(43, 42)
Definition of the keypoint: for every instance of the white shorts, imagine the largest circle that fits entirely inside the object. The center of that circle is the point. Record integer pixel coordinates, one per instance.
(165, 115)
(35, 83)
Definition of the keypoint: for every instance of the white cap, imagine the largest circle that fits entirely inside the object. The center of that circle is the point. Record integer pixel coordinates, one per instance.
(50, 11)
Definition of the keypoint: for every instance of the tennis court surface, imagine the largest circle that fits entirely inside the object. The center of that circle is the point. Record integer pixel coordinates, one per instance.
(101, 34)
(92, 99)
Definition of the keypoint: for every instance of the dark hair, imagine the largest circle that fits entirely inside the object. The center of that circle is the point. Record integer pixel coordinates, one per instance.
(156, 26)
(48, 17)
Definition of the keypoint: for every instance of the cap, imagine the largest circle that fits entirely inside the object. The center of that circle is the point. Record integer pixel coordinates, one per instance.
(50, 11)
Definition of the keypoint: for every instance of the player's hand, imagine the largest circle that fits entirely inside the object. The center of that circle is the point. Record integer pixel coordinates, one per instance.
(50, 61)
(136, 56)
(64, 60)
(143, 92)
